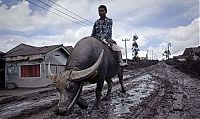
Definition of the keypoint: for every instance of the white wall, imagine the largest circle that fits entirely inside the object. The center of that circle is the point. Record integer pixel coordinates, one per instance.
(12, 73)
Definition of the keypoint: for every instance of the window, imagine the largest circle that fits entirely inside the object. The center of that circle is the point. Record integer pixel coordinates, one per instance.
(30, 70)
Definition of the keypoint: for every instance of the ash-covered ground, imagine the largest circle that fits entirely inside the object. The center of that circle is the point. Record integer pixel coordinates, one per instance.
(155, 92)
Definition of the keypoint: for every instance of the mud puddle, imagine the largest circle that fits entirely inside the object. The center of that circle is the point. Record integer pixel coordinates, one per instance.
(140, 88)
(119, 104)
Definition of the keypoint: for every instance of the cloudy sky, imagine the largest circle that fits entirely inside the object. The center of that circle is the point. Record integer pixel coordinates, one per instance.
(156, 22)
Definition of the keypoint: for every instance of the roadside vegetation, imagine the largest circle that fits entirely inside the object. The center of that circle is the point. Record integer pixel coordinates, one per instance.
(190, 66)
(133, 65)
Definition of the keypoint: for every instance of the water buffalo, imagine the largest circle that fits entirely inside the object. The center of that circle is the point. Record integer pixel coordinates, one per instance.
(90, 61)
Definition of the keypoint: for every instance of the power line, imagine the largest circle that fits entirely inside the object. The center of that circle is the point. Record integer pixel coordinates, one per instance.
(73, 14)
(70, 11)
(85, 24)
(78, 15)
(63, 13)
(55, 13)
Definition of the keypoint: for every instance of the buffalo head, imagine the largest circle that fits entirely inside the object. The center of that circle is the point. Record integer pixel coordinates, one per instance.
(69, 85)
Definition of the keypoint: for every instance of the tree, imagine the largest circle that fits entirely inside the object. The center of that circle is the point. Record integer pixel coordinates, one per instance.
(135, 48)
(167, 52)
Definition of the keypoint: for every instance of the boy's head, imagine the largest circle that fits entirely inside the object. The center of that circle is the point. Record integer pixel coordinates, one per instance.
(102, 11)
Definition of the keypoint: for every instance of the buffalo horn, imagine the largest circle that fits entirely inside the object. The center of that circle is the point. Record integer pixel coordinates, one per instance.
(83, 74)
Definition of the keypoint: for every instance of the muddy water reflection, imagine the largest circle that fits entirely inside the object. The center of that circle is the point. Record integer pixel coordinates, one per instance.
(119, 105)
(139, 88)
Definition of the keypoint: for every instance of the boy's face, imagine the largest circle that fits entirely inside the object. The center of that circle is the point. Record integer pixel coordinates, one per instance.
(102, 12)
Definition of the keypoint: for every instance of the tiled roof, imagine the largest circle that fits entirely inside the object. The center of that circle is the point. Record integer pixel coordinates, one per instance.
(23, 50)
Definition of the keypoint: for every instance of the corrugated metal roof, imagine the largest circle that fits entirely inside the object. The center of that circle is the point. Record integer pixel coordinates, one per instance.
(23, 50)
(191, 50)
(196, 50)
(2, 54)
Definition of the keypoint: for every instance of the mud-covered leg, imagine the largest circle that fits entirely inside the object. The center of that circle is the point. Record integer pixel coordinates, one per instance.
(98, 94)
(82, 103)
(109, 82)
(120, 75)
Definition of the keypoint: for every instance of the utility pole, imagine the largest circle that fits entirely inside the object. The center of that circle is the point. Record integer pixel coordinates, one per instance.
(168, 50)
(126, 47)
(155, 56)
(152, 54)
(147, 54)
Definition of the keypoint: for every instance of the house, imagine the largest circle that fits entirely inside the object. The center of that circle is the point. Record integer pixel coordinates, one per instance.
(26, 66)
(69, 48)
(2, 70)
(180, 58)
(194, 52)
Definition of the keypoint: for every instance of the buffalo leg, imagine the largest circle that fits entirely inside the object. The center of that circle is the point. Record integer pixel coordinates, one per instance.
(109, 82)
(82, 103)
(120, 75)
(98, 93)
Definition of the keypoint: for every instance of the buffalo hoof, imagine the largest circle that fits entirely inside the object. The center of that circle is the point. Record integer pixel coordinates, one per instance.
(82, 103)
(106, 98)
(64, 113)
(124, 91)
(61, 113)
(56, 111)
(97, 106)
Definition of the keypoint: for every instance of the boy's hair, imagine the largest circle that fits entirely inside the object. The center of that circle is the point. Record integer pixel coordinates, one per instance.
(103, 6)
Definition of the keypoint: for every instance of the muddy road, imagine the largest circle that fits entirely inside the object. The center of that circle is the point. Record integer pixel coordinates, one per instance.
(156, 92)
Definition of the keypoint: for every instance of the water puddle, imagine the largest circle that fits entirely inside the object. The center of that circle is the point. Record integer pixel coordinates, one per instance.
(141, 88)
(93, 86)
(119, 105)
